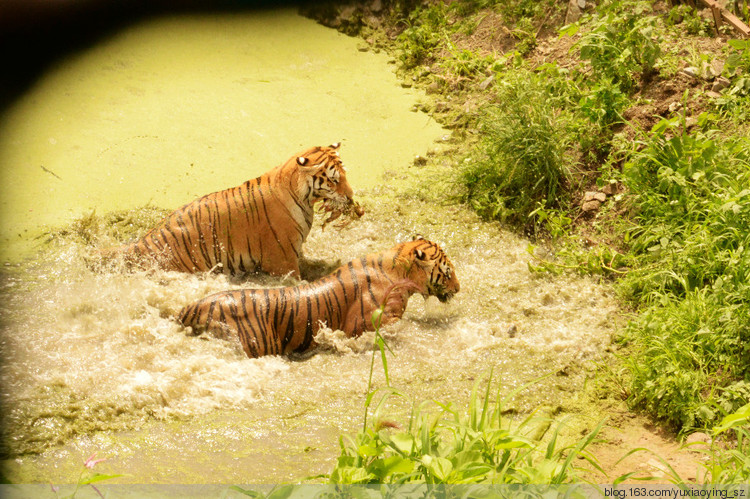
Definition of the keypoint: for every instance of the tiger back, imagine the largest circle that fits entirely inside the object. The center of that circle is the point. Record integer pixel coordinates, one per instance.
(259, 225)
(284, 320)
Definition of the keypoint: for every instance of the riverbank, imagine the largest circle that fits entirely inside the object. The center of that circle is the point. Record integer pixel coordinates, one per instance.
(601, 115)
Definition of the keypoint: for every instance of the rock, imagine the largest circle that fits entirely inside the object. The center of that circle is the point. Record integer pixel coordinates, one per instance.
(691, 71)
(486, 83)
(594, 196)
(420, 160)
(674, 106)
(433, 88)
(609, 189)
(590, 206)
(407, 84)
(347, 13)
(695, 438)
(717, 67)
(442, 107)
(691, 121)
(655, 466)
(713, 94)
(574, 12)
(720, 84)
(376, 6)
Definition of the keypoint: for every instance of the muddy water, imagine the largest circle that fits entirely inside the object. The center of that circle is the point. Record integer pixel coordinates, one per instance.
(93, 362)
(97, 364)
(175, 107)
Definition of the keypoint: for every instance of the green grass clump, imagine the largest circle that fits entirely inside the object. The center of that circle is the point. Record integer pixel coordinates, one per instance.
(690, 194)
(728, 455)
(449, 446)
(519, 165)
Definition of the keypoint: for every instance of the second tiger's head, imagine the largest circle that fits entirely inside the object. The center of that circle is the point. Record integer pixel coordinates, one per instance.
(430, 268)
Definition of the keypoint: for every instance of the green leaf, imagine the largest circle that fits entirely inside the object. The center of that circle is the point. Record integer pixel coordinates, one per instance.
(367, 450)
(282, 492)
(403, 443)
(739, 418)
(97, 477)
(250, 493)
(569, 30)
(384, 468)
(439, 467)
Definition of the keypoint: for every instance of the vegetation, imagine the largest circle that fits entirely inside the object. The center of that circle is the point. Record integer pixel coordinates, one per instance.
(449, 446)
(519, 165)
(537, 132)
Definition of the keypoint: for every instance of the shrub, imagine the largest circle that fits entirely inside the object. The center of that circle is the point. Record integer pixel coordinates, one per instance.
(426, 30)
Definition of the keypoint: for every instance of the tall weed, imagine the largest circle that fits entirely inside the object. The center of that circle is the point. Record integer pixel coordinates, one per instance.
(519, 165)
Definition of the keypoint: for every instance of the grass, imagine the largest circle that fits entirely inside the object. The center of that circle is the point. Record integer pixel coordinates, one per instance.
(519, 164)
(690, 278)
(441, 444)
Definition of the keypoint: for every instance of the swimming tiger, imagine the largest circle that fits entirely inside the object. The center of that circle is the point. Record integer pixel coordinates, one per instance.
(259, 225)
(284, 320)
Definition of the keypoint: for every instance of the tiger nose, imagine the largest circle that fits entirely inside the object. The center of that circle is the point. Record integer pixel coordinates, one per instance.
(347, 190)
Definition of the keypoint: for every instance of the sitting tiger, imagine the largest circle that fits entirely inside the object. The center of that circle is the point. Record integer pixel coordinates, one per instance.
(257, 226)
(284, 320)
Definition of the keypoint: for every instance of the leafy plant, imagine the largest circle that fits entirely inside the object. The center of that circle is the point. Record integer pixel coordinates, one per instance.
(727, 455)
(622, 45)
(88, 477)
(525, 33)
(426, 29)
(451, 446)
(688, 20)
(691, 273)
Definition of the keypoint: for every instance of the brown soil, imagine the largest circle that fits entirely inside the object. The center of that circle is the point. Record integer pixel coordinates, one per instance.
(660, 457)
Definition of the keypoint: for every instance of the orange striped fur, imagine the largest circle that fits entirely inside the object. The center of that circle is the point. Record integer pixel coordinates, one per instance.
(284, 320)
(257, 226)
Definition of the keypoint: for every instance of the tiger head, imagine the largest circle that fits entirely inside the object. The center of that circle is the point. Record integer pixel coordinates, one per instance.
(429, 268)
(325, 176)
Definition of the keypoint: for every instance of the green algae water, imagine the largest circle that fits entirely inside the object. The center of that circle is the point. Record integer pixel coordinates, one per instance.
(173, 108)
(176, 107)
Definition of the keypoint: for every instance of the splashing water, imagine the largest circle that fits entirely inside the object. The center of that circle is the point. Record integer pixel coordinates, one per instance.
(97, 359)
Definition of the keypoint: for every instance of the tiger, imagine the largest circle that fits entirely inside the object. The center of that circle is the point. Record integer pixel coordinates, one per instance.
(258, 226)
(280, 321)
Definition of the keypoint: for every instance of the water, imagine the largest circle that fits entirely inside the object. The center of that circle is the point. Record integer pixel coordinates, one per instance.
(172, 108)
(94, 362)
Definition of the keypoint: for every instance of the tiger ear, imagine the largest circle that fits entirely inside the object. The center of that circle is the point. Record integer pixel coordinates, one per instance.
(335, 145)
(301, 160)
(420, 254)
